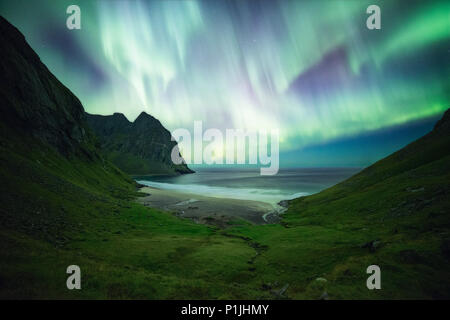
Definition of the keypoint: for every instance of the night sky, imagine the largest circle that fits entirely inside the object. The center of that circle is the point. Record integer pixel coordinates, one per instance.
(341, 95)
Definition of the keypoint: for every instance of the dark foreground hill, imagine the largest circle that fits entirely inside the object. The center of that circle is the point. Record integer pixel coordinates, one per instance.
(140, 147)
(48, 156)
(395, 214)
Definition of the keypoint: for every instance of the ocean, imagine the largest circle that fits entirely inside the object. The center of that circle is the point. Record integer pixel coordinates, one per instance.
(250, 185)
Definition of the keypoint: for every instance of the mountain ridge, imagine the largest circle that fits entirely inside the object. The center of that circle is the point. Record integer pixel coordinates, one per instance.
(48, 152)
(140, 147)
(35, 103)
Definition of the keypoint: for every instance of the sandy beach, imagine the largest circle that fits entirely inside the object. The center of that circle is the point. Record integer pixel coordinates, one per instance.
(204, 209)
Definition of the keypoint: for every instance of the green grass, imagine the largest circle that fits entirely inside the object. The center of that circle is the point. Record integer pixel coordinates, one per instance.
(124, 250)
(57, 212)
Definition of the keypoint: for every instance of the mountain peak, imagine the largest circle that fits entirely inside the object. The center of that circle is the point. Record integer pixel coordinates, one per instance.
(119, 115)
(145, 115)
(140, 147)
(443, 125)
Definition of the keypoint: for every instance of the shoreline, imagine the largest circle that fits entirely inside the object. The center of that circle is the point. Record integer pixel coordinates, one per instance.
(210, 210)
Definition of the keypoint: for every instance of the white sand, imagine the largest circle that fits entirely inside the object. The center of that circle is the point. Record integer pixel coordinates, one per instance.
(200, 207)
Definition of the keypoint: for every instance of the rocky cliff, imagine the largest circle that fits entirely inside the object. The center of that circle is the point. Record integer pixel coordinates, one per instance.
(34, 104)
(140, 147)
(50, 168)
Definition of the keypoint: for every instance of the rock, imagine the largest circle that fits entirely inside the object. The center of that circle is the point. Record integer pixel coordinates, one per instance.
(372, 245)
(284, 203)
(279, 293)
(375, 245)
(283, 290)
(410, 189)
(324, 296)
(266, 287)
(271, 217)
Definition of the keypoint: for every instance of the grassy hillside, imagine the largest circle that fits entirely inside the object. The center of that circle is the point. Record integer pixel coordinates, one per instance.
(57, 212)
(398, 221)
(63, 204)
(394, 214)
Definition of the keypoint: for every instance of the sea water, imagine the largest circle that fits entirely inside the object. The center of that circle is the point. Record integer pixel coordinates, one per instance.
(250, 185)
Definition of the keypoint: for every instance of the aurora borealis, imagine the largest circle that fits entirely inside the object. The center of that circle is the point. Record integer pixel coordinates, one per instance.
(310, 68)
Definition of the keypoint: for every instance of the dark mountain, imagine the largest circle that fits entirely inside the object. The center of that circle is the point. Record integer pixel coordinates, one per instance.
(140, 147)
(34, 103)
(395, 214)
(50, 165)
(434, 146)
(425, 160)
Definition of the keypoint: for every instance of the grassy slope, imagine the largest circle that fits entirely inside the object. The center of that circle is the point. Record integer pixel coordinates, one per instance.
(56, 213)
(403, 200)
(323, 235)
